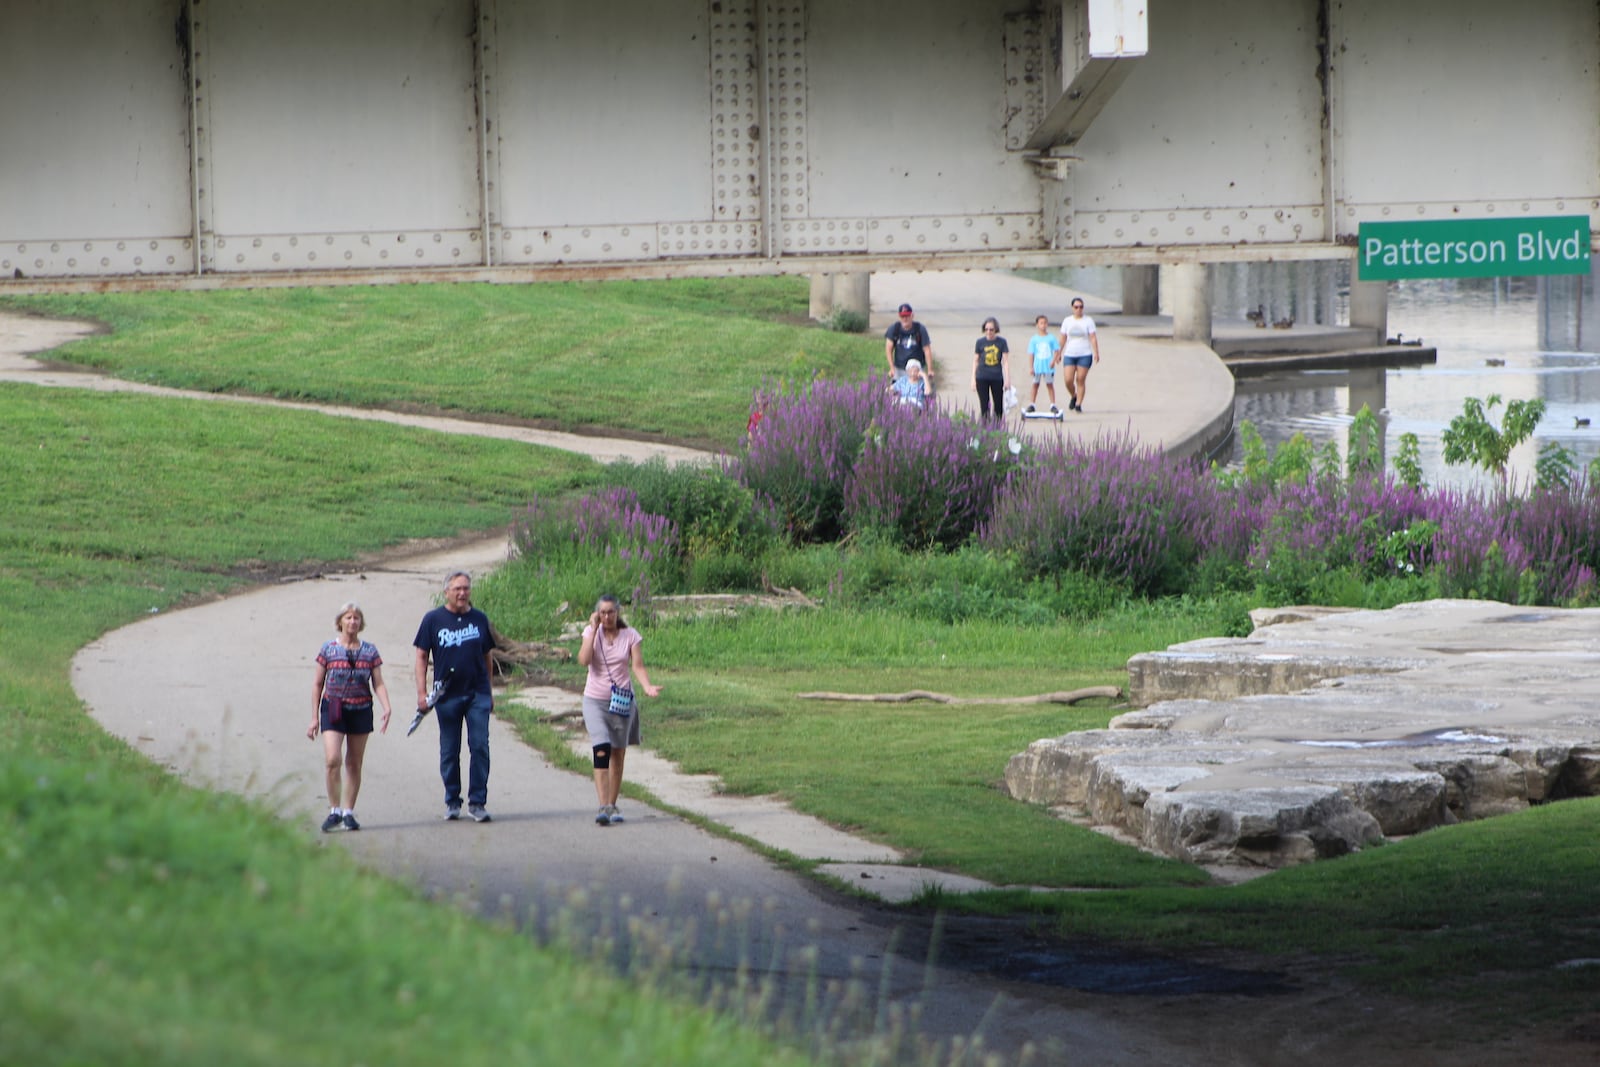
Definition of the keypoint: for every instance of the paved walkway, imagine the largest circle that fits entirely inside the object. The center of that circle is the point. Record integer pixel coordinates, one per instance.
(1175, 395)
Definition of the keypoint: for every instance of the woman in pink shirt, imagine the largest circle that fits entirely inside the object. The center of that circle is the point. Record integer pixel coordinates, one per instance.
(610, 648)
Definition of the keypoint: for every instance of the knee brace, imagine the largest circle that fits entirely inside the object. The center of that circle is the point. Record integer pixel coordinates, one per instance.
(602, 757)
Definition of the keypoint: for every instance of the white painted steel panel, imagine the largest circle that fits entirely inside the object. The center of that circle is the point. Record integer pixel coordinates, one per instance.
(94, 156)
(906, 116)
(605, 120)
(347, 126)
(1447, 108)
(1215, 137)
(1118, 28)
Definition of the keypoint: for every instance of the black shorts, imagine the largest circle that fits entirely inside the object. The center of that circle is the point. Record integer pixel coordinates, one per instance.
(353, 718)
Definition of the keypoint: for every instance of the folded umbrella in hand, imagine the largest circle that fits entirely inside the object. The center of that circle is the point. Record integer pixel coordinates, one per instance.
(422, 712)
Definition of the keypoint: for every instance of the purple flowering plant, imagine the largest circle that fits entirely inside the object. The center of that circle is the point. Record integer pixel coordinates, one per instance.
(607, 526)
(834, 458)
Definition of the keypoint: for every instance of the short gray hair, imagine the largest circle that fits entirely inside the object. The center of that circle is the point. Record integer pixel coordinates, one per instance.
(453, 575)
(346, 608)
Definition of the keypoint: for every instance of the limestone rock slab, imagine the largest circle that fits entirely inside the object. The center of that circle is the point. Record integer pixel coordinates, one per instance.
(1331, 731)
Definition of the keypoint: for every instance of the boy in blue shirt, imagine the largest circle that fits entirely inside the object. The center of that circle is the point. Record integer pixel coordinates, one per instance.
(1045, 349)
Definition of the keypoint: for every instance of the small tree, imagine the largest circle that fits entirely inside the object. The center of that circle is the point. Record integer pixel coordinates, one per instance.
(1408, 463)
(1472, 438)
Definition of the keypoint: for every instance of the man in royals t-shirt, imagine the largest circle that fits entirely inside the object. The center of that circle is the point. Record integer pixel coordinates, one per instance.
(458, 639)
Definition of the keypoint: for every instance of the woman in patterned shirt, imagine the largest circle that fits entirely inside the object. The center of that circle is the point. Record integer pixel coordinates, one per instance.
(349, 673)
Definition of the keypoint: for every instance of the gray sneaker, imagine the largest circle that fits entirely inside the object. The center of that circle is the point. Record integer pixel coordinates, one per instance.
(479, 813)
(452, 813)
(602, 817)
(616, 816)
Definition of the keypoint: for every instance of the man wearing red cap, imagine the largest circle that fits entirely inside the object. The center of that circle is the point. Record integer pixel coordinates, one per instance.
(905, 341)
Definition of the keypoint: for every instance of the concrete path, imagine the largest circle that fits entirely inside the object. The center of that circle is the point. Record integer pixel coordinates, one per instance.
(1174, 395)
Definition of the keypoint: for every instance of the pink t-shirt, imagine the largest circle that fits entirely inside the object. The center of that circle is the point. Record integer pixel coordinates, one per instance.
(611, 661)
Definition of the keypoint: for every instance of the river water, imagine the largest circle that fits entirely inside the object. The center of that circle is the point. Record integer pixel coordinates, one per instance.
(1520, 338)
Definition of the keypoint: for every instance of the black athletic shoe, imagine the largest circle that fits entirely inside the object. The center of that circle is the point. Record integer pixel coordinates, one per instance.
(350, 822)
(332, 822)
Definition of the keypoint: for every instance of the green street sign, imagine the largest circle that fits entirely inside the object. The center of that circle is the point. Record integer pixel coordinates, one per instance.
(1473, 248)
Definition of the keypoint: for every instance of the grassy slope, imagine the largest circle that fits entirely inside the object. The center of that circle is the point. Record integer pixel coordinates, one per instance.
(678, 360)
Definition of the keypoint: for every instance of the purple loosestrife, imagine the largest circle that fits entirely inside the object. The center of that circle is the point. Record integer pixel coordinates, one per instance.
(607, 524)
(926, 480)
(802, 455)
(1559, 530)
(1110, 509)
(1325, 524)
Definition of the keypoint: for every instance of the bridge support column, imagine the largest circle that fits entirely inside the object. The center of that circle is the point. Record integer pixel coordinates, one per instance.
(1191, 302)
(821, 295)
(1369, 307)
(1141, 290)
(853, 292)
(850, 291)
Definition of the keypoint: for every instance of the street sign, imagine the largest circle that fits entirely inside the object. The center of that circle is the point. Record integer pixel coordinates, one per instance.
(1473, 248)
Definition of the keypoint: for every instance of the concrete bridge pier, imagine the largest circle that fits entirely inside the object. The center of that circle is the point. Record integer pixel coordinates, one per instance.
(849, 291)
(1191, 302)
(1141, 290)
(1369, 307)
(821, 295)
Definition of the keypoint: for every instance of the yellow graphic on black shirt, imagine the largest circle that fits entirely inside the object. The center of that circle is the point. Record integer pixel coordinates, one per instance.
(991, 355)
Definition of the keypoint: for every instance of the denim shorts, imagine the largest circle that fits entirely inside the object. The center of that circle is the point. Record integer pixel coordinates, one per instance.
(1077, 361)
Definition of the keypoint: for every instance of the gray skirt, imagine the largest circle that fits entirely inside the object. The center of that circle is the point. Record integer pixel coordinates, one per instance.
(618, 731)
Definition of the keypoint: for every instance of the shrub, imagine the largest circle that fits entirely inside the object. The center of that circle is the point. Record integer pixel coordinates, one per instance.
(843, 320)
(1472, 438)
(1309, 531)
(801, 457)
(925, 480)
(712, 512)
(1558, 528)
(840, 458)
(1109, 509)
(631, 547)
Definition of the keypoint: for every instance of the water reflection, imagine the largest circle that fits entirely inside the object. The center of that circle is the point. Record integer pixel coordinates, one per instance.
(1520, 338)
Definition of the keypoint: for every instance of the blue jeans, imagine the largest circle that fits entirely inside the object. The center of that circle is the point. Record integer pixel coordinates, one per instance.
(472, 709)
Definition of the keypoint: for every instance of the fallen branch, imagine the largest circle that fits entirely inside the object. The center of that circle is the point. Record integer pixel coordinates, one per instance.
(1070, 696)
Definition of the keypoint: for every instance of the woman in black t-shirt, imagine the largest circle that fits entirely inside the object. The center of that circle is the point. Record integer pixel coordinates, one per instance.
(991, 371)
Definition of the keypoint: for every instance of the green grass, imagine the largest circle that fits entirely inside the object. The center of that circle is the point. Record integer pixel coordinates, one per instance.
(144, 923)
(1481, 913)
(678, 359)
(923, 776)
